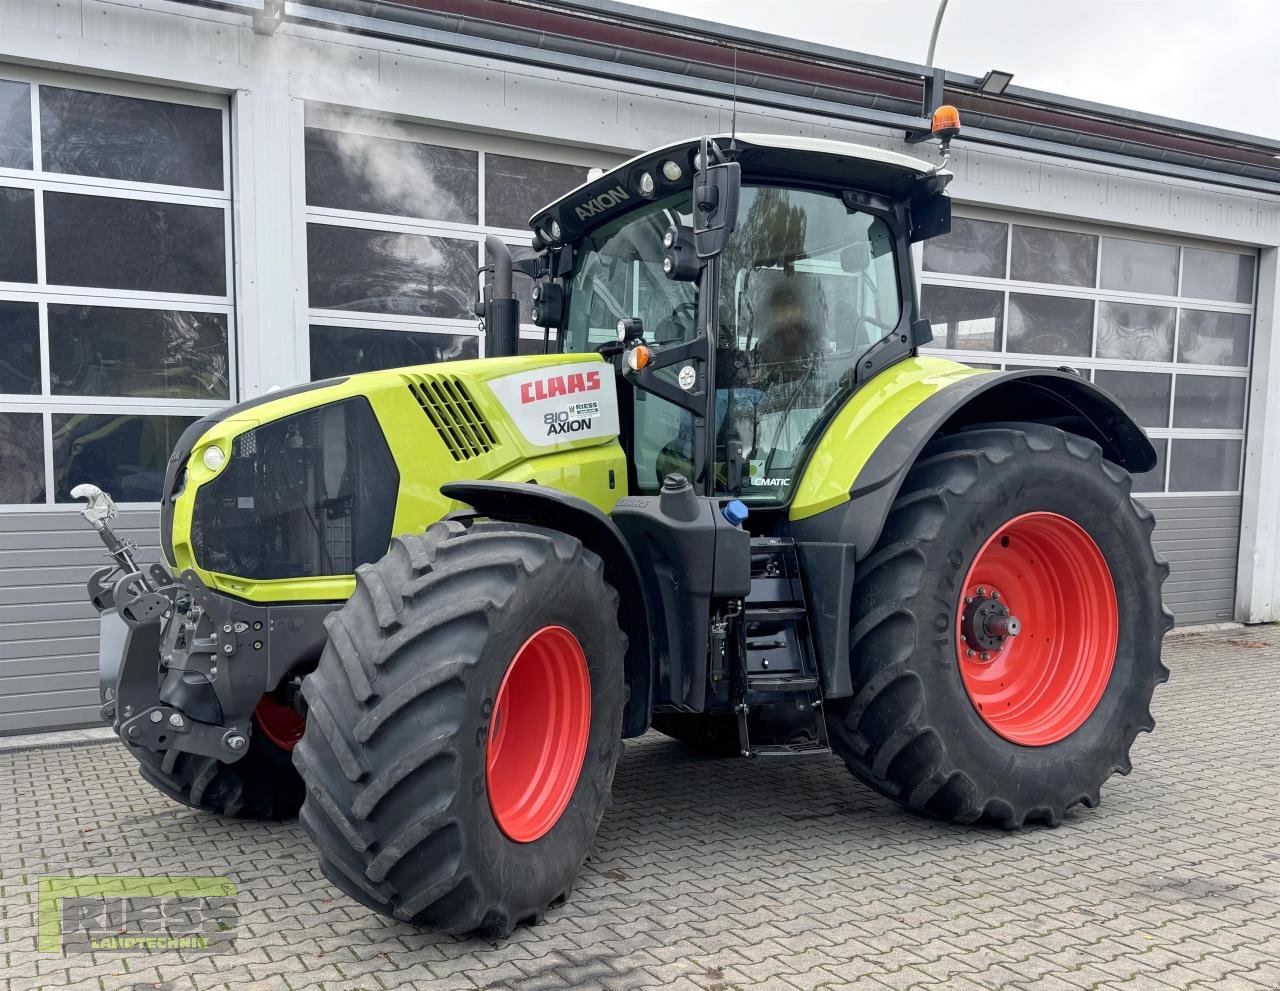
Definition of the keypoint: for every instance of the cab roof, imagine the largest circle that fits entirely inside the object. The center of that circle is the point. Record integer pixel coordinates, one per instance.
(776, 157)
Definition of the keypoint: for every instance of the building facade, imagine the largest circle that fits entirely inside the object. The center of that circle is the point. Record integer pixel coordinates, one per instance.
(201, 202)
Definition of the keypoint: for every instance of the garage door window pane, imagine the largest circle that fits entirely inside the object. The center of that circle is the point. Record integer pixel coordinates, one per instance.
(964, 319)
(1200, 465)
(1153, 480)
(345, 350)
(19, 350)
(22, 454)
(1209, 401)
(347, 170)
(1058, 257)
(974, 247)
(351, 268)
(1144, 395)
(114, 243)
(1139, 266)
(1050, 325)
(17, 235)
(514, 188)
(15, 125)
(1209, 338)
(124, 455)
(121, 137)
(1217, 275)
(1134, 332)
(116, 351)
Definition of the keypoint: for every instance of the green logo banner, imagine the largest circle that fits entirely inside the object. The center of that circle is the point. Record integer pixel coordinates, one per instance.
(115, 913)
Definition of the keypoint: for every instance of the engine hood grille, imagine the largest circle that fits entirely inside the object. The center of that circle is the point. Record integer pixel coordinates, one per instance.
(448, 405)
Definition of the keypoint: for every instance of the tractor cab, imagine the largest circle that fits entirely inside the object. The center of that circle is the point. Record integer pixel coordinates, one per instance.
(742, 287)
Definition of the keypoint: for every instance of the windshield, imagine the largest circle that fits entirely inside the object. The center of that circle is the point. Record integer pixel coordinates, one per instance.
(806, 287)
(618, 273)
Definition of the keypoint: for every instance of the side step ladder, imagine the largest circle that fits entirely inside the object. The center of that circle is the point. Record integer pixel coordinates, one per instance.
(776, 666)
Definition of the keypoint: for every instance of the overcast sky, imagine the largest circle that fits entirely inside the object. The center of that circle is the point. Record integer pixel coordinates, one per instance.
(1211, 61)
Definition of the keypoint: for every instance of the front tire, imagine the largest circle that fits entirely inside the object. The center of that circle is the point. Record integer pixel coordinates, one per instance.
(463, 727)
(1012, 728)
(262, 784)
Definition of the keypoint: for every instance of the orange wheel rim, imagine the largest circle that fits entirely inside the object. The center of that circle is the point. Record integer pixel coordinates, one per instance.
(1036, 629)
(538, 734)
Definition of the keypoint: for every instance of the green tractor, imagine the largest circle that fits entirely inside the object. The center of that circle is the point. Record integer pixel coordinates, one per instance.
(731, 502)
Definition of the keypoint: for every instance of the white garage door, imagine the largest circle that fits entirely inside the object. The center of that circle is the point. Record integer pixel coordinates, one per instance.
(1165, 325)
(116, 331)
(396, 219)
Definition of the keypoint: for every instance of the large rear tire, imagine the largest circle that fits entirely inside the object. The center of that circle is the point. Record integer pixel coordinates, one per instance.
(955, 721)
(463, 727)
(263, 784)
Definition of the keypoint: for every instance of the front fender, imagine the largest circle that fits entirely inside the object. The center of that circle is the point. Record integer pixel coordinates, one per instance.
(539, 505)
(864, 469)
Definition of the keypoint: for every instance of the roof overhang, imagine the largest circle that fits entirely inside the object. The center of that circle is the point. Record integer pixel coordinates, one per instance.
(763, 157)
(622, 42)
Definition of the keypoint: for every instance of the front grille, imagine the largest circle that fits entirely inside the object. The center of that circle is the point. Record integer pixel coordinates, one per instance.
(313, 493)
(449, 407)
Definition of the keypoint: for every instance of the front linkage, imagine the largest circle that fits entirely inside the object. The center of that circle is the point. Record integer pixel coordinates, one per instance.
(181, 667)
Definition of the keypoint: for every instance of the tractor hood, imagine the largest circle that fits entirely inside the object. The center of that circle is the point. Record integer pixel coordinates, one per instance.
(281, 498)
(774, 157)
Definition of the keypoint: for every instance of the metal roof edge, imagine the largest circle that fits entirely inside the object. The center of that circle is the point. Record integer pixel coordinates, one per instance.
(860, 60)
(400, 29)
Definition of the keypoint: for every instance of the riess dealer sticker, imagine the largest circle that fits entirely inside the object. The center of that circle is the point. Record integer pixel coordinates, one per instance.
(559, 403)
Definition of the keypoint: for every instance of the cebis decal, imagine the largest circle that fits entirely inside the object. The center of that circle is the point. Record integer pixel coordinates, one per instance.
(559, 403)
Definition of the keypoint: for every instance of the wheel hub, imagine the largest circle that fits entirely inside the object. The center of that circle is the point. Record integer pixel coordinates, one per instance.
(986, 623)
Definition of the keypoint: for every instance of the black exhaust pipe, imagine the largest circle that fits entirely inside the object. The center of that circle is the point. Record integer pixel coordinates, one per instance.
(499, 308)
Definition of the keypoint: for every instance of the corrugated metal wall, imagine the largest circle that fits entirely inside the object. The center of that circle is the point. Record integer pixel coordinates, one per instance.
(1200, 537)
(48, 630)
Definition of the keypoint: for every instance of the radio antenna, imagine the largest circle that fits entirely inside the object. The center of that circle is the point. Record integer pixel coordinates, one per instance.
(733, 118)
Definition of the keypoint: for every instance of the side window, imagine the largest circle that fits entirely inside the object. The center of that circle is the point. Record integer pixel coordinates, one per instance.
(807, 287)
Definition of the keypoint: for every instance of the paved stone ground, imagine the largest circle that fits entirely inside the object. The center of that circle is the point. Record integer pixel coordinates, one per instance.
(720, 875)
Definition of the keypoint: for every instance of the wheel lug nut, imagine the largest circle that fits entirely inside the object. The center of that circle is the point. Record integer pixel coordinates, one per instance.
(969, 653)
(995, 594)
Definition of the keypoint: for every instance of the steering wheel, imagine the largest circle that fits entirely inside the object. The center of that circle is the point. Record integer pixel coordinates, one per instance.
(673, 321)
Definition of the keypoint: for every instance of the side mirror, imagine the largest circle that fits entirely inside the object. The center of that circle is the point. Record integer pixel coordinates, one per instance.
(930, 217)
(856, 257)
(715, 206)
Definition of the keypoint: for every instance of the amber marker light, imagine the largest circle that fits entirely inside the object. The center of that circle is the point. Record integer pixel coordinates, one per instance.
(637, 357)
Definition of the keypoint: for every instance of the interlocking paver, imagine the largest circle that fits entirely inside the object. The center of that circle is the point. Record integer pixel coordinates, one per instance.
(727, 876)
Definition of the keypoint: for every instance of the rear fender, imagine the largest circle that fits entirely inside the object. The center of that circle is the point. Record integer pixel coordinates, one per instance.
(543, 506)
(1057, 398)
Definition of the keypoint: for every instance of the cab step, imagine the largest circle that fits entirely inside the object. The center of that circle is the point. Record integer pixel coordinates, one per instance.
(775, 667)
(782, 683)
(790, 751)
